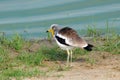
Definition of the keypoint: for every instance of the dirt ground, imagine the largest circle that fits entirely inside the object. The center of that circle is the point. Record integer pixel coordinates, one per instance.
(105, 66)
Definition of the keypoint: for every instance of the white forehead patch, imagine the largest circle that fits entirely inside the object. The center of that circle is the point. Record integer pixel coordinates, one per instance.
(54, 25)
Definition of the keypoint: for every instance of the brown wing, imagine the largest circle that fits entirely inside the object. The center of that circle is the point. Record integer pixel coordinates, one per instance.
(72, 38)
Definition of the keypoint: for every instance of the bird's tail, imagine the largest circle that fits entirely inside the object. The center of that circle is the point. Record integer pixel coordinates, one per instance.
(88, 47)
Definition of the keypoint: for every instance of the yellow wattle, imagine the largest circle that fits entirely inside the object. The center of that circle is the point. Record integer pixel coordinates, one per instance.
(52, 33)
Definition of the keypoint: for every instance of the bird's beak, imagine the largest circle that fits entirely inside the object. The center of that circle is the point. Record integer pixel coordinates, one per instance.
(47, 31)
(51, 31)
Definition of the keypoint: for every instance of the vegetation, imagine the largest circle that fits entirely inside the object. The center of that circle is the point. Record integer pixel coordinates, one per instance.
(16, 61)
(110, 41)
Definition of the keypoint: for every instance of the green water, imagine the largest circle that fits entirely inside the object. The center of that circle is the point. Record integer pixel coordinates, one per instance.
(31, 18)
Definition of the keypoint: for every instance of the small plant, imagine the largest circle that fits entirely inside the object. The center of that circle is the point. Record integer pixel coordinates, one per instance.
(3, 40)
(17, 42)
(31, 58)
(4, 58)
(111, 41)
(80, 51)
(91, 61)
(92, 31)
(18, 74)
(112, 44)
(54, 54)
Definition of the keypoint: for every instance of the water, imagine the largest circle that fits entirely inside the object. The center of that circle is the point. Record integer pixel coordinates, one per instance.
(31, 18)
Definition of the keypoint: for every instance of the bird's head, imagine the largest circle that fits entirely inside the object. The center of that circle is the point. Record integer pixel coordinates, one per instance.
(53, 29)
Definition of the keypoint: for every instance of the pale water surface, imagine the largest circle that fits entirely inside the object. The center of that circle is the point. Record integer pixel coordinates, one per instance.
(31, 18)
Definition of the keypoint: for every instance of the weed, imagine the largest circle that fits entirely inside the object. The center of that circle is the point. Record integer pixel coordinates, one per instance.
(54, 54)
(91, 61)
(4, 58)
(111, 39)
(17, 42)
(31, 58)
(92, 31)
(4, 41)
(112, 45)
(20, 73)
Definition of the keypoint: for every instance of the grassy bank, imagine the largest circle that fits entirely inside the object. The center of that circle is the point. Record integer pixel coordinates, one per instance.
(20, 58)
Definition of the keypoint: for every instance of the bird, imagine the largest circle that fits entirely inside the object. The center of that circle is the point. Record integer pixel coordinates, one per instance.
(67, 39)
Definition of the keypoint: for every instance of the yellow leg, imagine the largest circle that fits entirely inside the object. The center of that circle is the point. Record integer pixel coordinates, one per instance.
(68, 52)
(71, 57)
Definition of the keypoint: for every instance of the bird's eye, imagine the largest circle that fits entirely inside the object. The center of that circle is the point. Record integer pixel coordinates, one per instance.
(53, 27)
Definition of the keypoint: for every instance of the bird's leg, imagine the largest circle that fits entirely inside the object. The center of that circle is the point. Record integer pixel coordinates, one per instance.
(68, 57)
(71, 57)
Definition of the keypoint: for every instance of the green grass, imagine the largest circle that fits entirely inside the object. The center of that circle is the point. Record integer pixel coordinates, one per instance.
(31, 58)
(23, 65)
(54, 54)
(16, 61)
(92, 31)
(110, 44)
(110, 40)
(12, 64)
(17, 42)
(19, 73)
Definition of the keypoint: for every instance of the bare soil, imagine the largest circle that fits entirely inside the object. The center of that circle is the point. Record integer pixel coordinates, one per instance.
(101, 66)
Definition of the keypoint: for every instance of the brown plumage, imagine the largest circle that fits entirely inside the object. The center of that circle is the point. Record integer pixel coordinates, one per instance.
(72, 37)
(67, 38)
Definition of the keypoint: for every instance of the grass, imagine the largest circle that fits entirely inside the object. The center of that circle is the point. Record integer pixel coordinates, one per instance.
(110, 40)
(17, 62)
(19, 73)
(31, 59)
(92, 31)
(17, 42)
